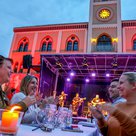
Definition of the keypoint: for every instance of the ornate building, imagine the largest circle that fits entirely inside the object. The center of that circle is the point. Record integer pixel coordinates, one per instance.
(105, 33)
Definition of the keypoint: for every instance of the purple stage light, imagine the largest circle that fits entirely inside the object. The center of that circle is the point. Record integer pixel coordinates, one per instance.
(87, 80)
(72, 73)
(93, 74)
(107, 75)
(68, 79)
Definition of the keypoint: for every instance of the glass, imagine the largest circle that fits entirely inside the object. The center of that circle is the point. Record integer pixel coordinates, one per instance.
(62, 117)
(10, 121)
(46, 117)
(69, 117)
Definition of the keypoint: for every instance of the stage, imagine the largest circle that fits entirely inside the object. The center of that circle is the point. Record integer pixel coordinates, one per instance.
(99, 69)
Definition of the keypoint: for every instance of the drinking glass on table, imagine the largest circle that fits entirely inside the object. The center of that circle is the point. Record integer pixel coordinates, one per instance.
(62, 117)
(46, 116)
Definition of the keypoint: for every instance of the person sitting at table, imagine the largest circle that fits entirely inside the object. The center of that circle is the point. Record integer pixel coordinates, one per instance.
(122, 117)
(5, 73)
(29, 86)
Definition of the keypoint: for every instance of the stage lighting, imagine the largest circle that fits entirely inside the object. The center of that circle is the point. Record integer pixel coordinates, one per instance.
(58, 63)
(114, 64)
(93, 74)
(68, 79)
(84, 63)
(87, 80)
(107, 75)
(72, 73)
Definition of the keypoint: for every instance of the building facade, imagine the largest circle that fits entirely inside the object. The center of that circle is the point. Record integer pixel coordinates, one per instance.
(105, 33)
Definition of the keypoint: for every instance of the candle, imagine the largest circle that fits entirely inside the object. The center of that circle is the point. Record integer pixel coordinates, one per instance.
(9, 119)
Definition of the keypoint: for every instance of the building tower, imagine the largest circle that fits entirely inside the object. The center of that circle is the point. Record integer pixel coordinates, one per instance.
(104, 27)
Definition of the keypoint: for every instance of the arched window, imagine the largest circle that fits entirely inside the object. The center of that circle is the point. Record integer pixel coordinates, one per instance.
(46, 44)
(43, 47)
(20, 47)
(49, 47)
(75, 46)
(104, 40)
(23, 46)
(104, 43)
(72, 43)
(134, 44)
(69, 46)
(26, 47)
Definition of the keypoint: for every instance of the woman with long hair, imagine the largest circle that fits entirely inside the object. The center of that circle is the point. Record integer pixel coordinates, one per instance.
(28, 86)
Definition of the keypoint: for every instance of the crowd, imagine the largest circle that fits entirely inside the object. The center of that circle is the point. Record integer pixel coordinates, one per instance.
(121, 120)
(29, 99)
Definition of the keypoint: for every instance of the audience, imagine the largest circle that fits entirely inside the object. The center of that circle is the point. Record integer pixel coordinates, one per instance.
(122, 119)
(29, 85)
(122, 116)
(5, 72)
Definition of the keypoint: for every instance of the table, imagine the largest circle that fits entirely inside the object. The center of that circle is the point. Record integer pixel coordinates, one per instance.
(27, 131)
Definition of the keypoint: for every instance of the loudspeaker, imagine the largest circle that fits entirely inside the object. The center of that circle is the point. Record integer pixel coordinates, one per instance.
(27, 61)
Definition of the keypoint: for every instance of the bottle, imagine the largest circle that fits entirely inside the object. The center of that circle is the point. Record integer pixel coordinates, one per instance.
(69, 116)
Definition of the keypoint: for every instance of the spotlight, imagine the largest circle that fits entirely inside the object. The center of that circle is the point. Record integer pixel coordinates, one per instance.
(114, 64)
(93, 74)
(87, 80)
(72, 73)
(68, 79)
(84, 63)
(107, 75)
(58, 64)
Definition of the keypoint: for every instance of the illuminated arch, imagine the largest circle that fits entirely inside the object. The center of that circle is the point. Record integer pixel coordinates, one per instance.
(46, 44)
(72, 43)
(104, 39)
(23, 45)
(104, 43)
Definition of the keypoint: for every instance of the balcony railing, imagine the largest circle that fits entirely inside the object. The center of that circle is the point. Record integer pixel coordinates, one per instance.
(104, 48)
